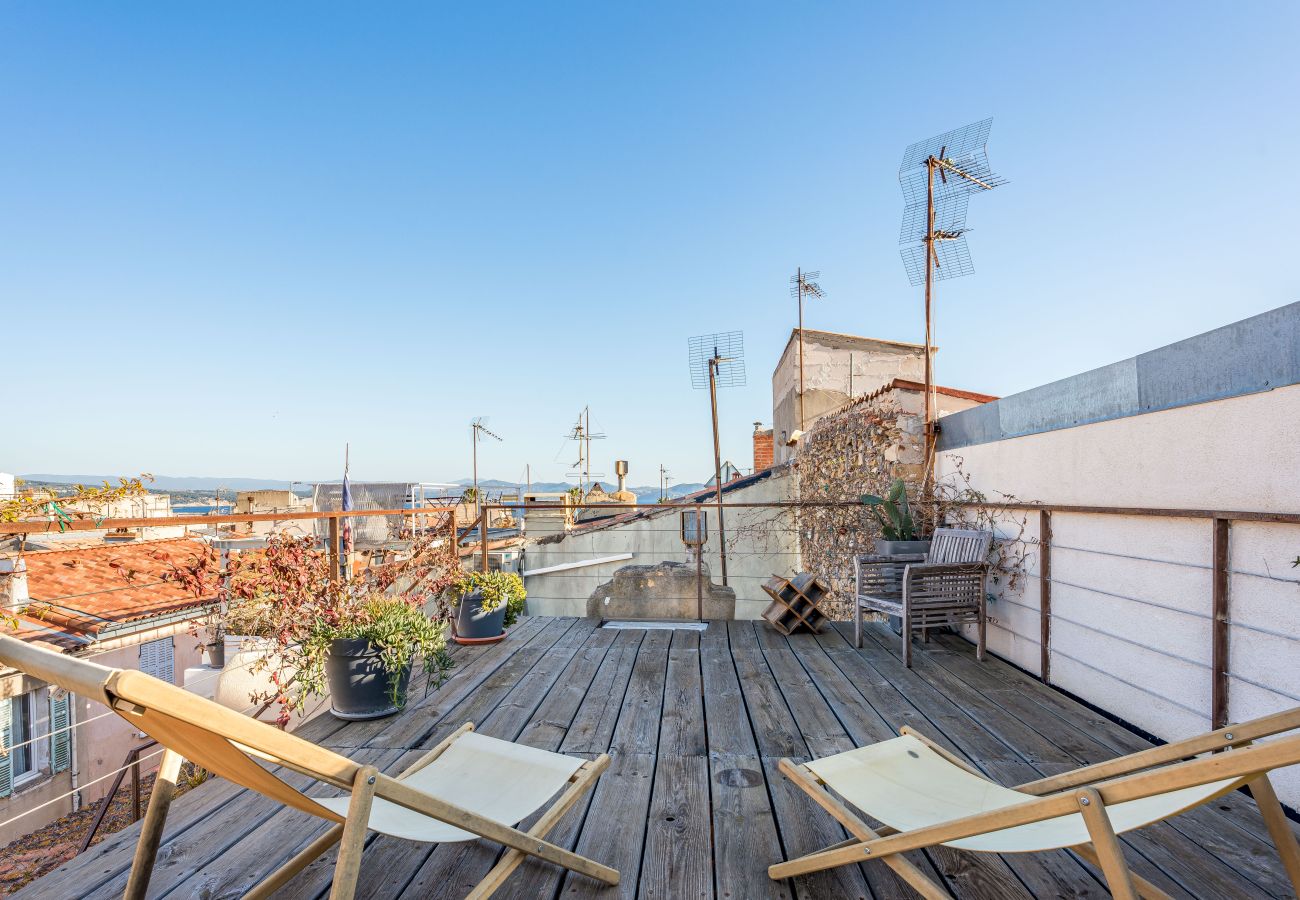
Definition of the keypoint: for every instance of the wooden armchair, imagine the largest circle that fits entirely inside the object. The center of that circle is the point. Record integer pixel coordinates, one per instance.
(945, 587)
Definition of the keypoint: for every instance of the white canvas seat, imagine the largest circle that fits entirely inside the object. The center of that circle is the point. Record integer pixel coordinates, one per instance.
(907, 785)
(496, 779)
(926, 797)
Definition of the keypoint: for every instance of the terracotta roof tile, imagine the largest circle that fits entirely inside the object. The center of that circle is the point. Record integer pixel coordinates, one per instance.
(81, 592)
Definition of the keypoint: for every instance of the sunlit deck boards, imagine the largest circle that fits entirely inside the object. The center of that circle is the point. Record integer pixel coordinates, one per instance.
(693, 804)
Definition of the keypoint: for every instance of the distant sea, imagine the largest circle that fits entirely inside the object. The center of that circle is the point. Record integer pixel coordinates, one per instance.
(203, 509)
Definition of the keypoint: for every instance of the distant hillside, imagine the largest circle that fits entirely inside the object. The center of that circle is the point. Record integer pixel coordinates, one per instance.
(199, 485)
(170, 482)
(644, 494)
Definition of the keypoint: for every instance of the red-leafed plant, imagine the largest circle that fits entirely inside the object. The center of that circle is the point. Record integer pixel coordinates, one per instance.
(285, 593)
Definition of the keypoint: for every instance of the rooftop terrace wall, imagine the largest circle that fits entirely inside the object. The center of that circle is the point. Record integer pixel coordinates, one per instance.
(1207, 424)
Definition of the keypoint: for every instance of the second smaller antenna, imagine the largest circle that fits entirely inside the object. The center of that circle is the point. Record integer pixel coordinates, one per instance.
(478, 426)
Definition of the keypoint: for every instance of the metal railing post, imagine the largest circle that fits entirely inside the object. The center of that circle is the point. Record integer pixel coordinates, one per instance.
(1045, 596)
(1219, 649)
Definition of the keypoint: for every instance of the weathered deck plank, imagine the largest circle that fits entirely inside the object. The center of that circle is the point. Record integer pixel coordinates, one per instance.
(804, 827)
(615, 826)
(678, 857)
(693, 804)
(744, 826)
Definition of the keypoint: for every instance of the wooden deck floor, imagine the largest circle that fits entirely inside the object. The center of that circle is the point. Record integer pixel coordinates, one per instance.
(693, 805)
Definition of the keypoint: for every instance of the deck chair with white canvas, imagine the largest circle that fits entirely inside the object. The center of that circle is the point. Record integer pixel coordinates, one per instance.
(468, 786)
(926, 796)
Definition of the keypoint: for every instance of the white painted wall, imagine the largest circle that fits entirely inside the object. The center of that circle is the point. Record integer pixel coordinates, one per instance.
(1131, 595)
(755, 552)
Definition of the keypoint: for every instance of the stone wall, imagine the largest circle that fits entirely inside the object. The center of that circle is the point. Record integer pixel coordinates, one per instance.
(859, 450)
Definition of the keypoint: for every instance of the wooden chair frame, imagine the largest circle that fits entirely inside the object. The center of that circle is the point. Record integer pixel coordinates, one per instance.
(946, 587)
(227, 743)
(1087, 790)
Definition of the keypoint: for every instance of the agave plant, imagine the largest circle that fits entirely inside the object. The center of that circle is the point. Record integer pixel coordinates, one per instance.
(893, 513)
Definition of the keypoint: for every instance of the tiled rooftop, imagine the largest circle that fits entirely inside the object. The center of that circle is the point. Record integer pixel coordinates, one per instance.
(80, 592)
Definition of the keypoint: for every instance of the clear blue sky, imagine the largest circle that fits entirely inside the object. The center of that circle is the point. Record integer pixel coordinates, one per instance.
(234, 236)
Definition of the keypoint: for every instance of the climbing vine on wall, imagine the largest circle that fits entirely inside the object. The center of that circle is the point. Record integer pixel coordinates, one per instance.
(861, 450)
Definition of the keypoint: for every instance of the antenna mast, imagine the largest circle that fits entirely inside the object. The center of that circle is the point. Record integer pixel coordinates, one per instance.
(582, 434)
(717, 360)
(803, 284)
(479, 426)
(934, 229)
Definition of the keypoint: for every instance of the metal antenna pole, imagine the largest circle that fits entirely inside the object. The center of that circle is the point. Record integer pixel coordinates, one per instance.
(928, 474)
(717, 360)
(476, 427)
(801, 285)
(933, 235)
(799, 281)
(717, 461)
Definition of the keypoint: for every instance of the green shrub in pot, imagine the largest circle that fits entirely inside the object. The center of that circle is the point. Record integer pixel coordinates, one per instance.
(478, 599)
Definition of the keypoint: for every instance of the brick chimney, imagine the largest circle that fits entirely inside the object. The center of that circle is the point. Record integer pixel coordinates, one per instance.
(762, 447)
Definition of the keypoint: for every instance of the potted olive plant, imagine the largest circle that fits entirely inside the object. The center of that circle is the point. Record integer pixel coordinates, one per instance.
(484, 604)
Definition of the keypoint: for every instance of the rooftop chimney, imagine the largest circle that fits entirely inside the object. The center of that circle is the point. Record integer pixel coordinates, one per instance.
(620, 469)
(762, 447)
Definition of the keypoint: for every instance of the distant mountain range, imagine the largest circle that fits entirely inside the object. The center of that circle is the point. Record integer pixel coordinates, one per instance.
(196, 484)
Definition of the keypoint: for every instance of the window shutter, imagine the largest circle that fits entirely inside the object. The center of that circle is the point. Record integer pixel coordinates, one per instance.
(60, 732)
(6, 763)
(157, 658)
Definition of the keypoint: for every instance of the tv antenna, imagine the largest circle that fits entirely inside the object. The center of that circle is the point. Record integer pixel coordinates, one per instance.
(804, 285)
(664, 477)
(938, 176)
(581, 432)
(478, 426)
(717, 360)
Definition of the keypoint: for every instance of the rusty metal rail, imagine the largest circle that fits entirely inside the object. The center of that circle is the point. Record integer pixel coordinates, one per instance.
(132, 762)
(1219, 564)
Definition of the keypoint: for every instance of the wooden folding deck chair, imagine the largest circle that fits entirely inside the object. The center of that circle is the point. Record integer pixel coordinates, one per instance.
(925, 796)
(469, 786)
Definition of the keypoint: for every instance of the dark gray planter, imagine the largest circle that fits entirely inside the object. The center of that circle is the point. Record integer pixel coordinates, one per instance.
(360, 688)
(900, 548)
(473, 623)
(216, 652)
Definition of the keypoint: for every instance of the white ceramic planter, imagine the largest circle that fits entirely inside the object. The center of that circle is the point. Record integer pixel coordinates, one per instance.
(244, 676)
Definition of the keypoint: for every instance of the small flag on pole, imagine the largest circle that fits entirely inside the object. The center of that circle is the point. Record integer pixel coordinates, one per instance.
(347, 506)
